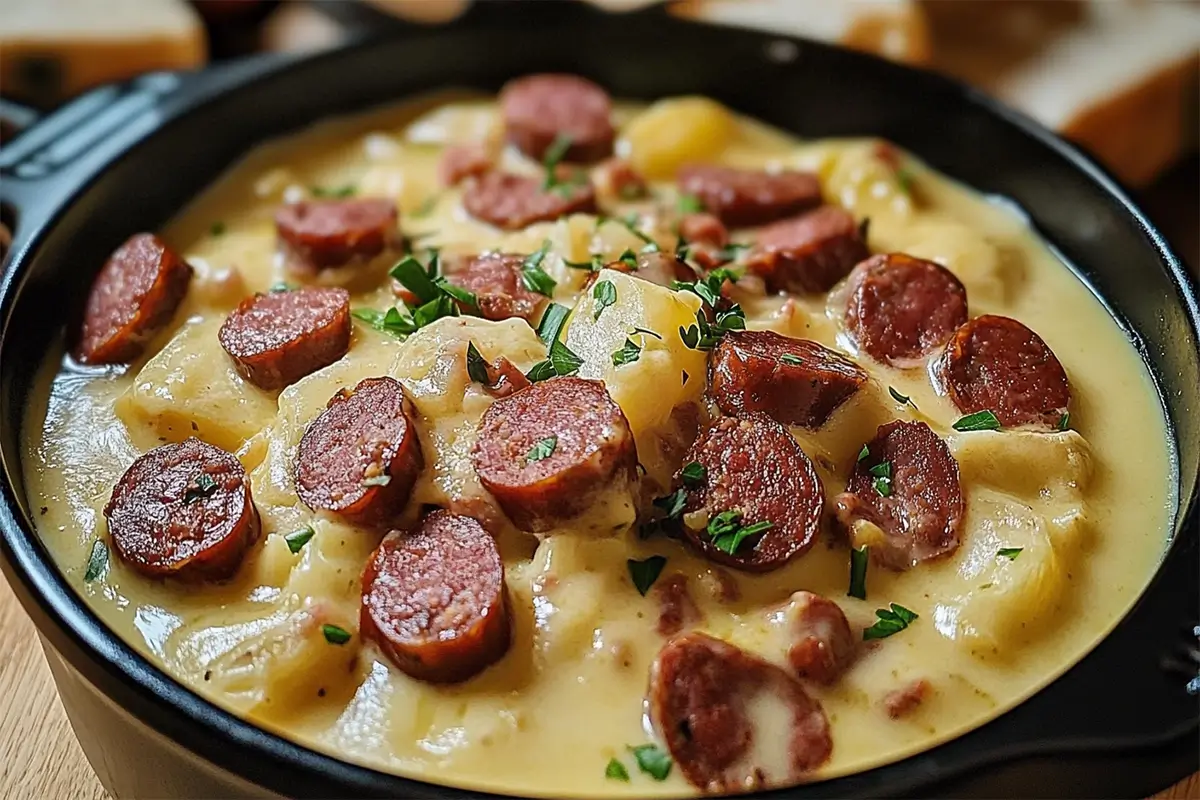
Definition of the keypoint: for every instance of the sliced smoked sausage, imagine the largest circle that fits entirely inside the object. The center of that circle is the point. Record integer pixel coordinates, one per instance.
(707, 239)
(794, 381)
(808, 253)
(434, 600)
(463, 161)
(822, 643)
(317, 234)
(548, 452)
(495, 279)
(902, 308)
(513, 202)
(907, 488)
(276, 339)
(537, 109)
(743, 197)
(755, 472)
(183, 510)
(361, 456)
(997, 364)
(134, 297)
(731, 721)
(657, 267)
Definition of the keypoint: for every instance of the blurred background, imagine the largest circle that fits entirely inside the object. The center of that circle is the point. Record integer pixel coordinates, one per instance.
(1118, 77)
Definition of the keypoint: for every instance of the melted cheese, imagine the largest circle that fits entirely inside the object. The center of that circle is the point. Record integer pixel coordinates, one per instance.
(1089, 508)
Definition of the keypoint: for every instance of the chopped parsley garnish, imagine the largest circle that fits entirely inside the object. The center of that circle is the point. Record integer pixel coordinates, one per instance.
(377, 480)
(673, 503)
(863, 453)
(595, 265)
(333, 192)
(630, 221)
(437, 297)
(417, 278)
(280, 286)
(889, 622)
(477, 368)
(335, 634)
(883, 478)
(652, 761)
(645, 573)
(217, 229)
(298, 538)
(426, 208)
(693, 474)
(904, 177)
(552, 321)
(859, 558)
(629, 259)
(647, 332)
(979, 421)
(202, 485)
(616, 771)
(464, 296)
(1009, 552)
(562, 362)
(902, 399)
(690, 204)
(542, 450)
(552, 157)
(533, 277)
(708, 288)
(628, 353)
(1064, 422)
(727, 532)
(705, 335)
(605, 294)
(97, 563)
(391, 321)
(788, 358)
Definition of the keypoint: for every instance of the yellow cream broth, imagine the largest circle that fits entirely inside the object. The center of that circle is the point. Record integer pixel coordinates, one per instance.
(1090, 507)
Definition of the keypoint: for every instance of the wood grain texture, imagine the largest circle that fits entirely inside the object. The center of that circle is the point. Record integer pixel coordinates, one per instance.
(39, 756)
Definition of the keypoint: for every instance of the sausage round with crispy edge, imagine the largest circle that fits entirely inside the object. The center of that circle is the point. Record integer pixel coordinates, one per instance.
(743, 197)
(548, 452)
(537, 109)
(361, 456)
(913, 496)
(902, 308)
(513, 202)
(808, 253)
(495, 279)
(276, 339)
(709, 701)
(752, 466)
(794, 381)
(434, 599)
(134, 297)
(183, 511)
(822, 643)
(317, 234)
(997, 364)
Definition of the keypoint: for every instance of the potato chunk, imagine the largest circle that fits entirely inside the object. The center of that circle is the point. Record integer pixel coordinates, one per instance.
(673, 132)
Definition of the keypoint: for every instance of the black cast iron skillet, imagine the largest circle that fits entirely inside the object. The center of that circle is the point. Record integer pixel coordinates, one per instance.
(124, 159)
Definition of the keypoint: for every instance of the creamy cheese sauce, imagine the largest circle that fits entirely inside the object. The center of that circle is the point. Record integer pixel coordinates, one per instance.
(1090, 507)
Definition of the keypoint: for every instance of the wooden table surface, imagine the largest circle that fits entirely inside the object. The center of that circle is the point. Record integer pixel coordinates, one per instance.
(39, 757)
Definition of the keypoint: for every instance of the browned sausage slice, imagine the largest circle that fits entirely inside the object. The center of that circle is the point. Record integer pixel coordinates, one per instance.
(809, 253)
(721, 711)
(794, 381)
(183, 510)
(661, 268)
(997, 364)
(908, 486)
(549, 451)
(901, 702)
(742, 197)
(902, 308)
(755, 469)
(276, 339)
(505, 378)
(539, 108)
(463, 161)
(676, 608)
(618, 180)
(706, 237)
(316, 234)
(513, 202)
(823, 644)
(361, 456)
(495, 278)
(434, 600)
(133, 297)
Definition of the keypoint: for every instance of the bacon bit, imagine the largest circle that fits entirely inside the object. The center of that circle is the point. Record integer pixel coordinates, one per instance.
(504, 378)
(676, 607)
(903, 701)
(722, 586)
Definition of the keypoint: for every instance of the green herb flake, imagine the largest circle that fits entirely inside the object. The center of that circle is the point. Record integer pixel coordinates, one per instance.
(883, 486)
(533, 277)
(1064, 422)
(426, 208)
(540, 371)
(690, 204)
(905, 178)
(377, 480)
(391, 321)
(652, 761)
(979, 421)
(413, 276)
(336, 192)
(605, 294)
(672, 504)
(551, 325)
(565, 362)
(616, 771)
(890, 622)
(455, 292)
(630, 221)
(647, 332)
(335, 634)
(644, 573)
(727, 532)
(628, 354)
(552, 157)
(693, 474)
(202, 485)
(595, 265)
(281, 286)
(863, 453)
(902, 399)
(542, 450)
(788, 358)
(97, 563)
(477, 368)
(858, 572)
(217, 229)
(1010, 553)
(298, 538)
